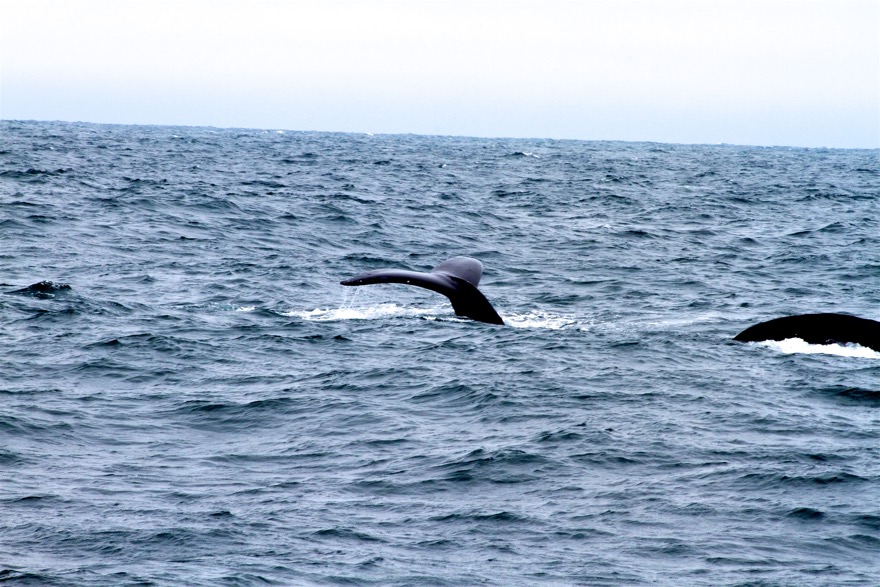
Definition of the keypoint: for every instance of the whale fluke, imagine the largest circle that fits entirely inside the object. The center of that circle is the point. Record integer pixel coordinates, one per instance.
(456, 278)
(817, 329)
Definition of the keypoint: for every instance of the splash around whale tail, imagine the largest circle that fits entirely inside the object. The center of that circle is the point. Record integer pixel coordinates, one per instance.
(456, 278)
(817, 329)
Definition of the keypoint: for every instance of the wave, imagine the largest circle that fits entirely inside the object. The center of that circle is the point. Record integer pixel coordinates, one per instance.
(544, 320)
(380, 311)
(216, 307)
(527, 320)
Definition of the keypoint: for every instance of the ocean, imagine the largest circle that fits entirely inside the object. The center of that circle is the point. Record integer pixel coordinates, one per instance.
(192, 398)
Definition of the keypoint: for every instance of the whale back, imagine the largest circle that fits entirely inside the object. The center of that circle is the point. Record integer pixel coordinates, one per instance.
(466, 268)
(816, 329)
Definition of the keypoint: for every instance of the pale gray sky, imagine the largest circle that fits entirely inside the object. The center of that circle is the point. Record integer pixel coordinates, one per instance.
(762, 72)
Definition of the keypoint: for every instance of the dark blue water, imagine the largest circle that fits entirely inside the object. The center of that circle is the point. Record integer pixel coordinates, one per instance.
(195, 400)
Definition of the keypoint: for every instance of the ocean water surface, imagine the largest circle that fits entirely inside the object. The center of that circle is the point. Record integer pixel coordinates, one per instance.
(189, 397)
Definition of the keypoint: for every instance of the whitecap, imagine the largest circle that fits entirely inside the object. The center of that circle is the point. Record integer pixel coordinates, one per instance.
(363, 313)
(543, 320)
(796, 345)
(216, 307)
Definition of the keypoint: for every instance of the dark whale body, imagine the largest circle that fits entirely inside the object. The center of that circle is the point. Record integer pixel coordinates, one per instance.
(455, 278)
(817, 329)
(43, 289)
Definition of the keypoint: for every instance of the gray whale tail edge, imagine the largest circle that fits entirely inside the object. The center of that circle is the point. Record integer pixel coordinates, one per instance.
(456, 278)
(817, 329)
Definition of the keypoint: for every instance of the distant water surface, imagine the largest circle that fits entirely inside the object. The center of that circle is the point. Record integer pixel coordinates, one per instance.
(195, 400)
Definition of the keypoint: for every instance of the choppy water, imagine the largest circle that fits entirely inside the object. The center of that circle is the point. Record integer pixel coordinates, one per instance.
(206, 405)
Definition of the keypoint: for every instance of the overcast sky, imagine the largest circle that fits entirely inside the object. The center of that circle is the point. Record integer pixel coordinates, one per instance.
(763, 72)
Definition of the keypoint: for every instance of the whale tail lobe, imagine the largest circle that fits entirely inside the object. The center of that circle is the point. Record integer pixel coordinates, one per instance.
(456, 278)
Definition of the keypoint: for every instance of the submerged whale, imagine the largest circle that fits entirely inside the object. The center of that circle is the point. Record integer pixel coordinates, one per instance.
(817, 329)
(43, 289)
(456, 278)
